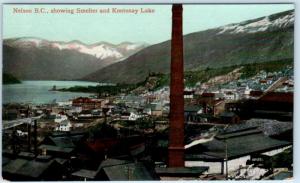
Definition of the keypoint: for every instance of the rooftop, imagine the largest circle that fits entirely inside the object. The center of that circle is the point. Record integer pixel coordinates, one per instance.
(238, 144)
(130, 171)
(90, 174)
(26, 168)
(228, 114)
(180, 171)
(56, 148)
(192, 108)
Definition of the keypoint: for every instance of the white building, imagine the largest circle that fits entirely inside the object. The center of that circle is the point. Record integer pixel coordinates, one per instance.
(231, 96)
(247, 90)
(64, 126)
(59, 118)
(64, 104)
(133, 116)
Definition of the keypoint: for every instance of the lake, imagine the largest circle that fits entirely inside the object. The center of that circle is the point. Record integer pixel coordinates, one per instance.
(37, 92)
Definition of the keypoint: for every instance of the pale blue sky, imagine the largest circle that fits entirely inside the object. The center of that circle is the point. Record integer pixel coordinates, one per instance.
(115, 28)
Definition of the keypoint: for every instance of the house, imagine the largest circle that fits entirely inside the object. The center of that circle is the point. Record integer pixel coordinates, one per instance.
(207, 101)
(188, 94)
(247, 91)
(89, 103)
(64, 104)
(93, 151)
(229, 118)
(230, 96)
(61, 144)
(125, 115)
(57, 151)
(263, 81)
(75, 109)
(117, 170)
(134, 116)
(147, 109)
(50, 115)
(96, 113)
(156, 109)
(191, 112)
(274, 105)
(84, 115)
(133, 171)
(64, 126)
(270, 105)
(256, 93)
(59, 118)
(21, 133)
(133, 101)
(27, 168)
(151, 98)
(208, 96)
(117, 111)
(64, 139)
(218, 107)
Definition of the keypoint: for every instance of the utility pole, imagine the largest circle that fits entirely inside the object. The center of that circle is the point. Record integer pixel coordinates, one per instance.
(14, 141)
(226, 159)
(35, 137)
(129, 172)
(29, 136)
(105, 110)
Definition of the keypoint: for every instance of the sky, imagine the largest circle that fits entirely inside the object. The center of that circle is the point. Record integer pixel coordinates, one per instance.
(117, 27)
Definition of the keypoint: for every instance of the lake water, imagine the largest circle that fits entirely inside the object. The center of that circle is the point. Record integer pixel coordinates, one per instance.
(37, 92)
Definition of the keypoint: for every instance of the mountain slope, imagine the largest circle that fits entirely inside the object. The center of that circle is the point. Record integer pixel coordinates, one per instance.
(9, 79)
(39, 59)
(254, 41)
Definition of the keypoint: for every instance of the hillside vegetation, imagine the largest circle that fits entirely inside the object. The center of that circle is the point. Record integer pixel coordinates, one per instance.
(155, 81)
(10, 79)
(207, 49)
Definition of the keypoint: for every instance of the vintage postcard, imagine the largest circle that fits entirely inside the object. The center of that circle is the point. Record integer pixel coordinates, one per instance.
(147, 92)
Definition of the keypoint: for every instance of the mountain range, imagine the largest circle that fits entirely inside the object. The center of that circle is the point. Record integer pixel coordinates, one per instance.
(264, 39)
(30, 58)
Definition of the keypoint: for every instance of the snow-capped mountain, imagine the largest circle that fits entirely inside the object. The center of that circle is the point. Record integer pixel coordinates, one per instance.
(259, 25)
(39, 59)
(264, 39)
(101, 50)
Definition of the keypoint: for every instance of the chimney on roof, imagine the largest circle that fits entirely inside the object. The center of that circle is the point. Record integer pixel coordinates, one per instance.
(176, 132)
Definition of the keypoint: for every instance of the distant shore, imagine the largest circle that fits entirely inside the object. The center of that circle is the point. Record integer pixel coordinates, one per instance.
(10, 79)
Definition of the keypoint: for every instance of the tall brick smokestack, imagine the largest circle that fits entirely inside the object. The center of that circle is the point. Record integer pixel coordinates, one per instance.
(176, 134)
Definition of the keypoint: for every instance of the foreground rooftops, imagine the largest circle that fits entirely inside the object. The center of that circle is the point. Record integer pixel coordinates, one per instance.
(24, 167)
(117, 170)
(236, 144)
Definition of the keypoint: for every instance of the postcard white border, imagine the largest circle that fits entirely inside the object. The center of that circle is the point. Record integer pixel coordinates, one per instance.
(296, 165)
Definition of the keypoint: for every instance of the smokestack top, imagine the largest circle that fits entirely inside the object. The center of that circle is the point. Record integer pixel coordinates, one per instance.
(177, 7)
(177, 11)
